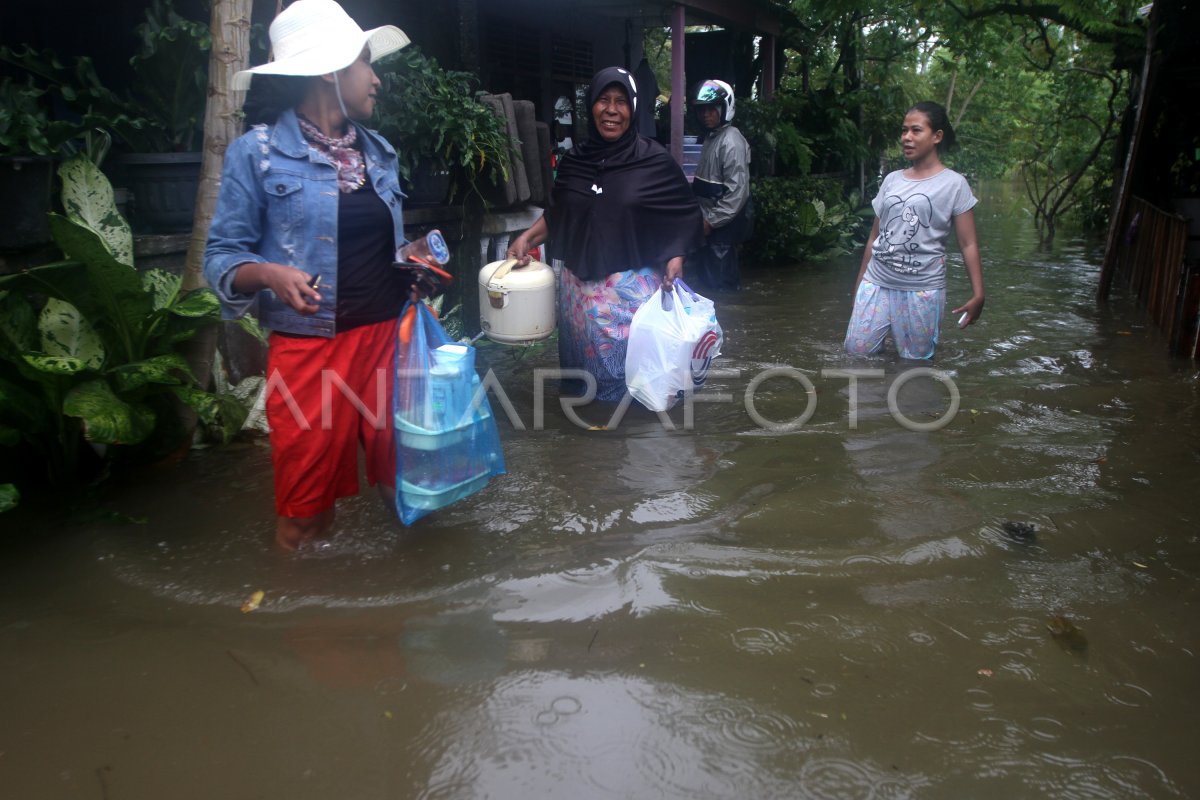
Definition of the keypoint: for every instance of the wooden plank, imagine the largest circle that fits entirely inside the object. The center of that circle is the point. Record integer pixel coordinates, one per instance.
(1124, 188)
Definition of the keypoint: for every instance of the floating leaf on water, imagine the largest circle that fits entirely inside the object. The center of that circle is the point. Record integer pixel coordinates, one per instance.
(253, 601)
(1066, 633)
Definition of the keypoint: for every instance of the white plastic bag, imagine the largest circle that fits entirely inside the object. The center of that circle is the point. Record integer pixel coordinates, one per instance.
(673, 339)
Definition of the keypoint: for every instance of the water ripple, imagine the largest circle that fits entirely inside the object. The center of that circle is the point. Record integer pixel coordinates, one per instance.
(841, 779)
(1128, 694)
(761, 641)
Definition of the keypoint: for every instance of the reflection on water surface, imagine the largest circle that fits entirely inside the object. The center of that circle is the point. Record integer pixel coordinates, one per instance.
(853, 609)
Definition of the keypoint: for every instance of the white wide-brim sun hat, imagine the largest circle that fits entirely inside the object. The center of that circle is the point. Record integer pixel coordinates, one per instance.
(317, 37)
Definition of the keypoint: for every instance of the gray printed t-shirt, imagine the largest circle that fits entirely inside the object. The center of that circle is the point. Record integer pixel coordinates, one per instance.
(915, 219)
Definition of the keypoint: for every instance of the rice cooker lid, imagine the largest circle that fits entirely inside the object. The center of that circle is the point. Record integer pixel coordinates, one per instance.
(534, 275)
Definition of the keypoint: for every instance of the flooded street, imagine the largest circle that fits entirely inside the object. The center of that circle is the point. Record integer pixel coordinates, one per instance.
(1004, 607)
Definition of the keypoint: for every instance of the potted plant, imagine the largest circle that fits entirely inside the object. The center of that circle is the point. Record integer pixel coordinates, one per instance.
(31, 140)
(439, 128)
(54, 111)
(27, 145)
(157, 122)
(161, 165)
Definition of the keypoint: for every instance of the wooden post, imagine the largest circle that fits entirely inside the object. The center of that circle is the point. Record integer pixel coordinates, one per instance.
(768, 72)
(230, 24)
(678, 90)
(1125, 184)
(222, 120)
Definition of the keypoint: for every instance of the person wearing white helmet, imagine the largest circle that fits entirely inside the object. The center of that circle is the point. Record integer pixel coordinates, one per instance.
(307, 223)
(722, 185)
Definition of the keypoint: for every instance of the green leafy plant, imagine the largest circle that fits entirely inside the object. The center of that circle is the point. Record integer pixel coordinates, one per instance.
(162, 111)
(89, 346)
(432, 114)
(801, 219)
(25, 126)
(94, 113)
(9, 497)
(774, 140)
(171, 79)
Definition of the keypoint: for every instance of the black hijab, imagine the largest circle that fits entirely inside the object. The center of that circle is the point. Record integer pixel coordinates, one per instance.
(620, 205)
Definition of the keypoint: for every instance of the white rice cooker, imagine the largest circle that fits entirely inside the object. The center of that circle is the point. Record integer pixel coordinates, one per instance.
(516, 304)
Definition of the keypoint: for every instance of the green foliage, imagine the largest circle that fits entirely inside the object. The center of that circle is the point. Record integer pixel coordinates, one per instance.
(171, 79)
(771, 130)
(89, 346)
(800, 219)
(434, 114)
(27, 126)
(162, 110)
(1041, 101)
(9, 496)
(1027, 87)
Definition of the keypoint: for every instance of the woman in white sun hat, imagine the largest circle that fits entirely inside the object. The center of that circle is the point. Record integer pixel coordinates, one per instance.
(307, 223)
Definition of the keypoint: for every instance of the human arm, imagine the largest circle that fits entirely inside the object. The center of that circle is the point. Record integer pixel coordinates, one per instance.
(519, 247)
(233, 266)
(866, 258)
(290, 285)
(964, 231)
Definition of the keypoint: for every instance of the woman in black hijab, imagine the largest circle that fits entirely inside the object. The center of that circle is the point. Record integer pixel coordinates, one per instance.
(622, 218)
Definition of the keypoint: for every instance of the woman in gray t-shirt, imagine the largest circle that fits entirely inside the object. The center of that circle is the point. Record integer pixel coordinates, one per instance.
(901, 285)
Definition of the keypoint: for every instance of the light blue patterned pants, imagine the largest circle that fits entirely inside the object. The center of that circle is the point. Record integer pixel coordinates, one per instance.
(912, 317)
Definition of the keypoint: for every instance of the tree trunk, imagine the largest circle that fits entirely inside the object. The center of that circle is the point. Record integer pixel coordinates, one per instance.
(962, 112)
(230, 25)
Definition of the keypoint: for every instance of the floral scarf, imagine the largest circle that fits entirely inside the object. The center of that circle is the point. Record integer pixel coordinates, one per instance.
(343, 152)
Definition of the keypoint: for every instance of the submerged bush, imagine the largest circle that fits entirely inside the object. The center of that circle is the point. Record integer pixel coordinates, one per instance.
(801, 219)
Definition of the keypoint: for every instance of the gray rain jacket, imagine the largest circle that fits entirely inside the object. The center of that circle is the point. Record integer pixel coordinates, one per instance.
(722, 181)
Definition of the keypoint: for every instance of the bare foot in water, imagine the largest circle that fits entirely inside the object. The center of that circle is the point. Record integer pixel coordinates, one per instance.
(292, 532)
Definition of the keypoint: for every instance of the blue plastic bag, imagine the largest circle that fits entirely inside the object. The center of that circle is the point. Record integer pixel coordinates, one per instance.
(447, 444)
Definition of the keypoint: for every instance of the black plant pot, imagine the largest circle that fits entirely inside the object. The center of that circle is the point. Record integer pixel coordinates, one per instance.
(163, 186)
(26, 189)
(428, 186)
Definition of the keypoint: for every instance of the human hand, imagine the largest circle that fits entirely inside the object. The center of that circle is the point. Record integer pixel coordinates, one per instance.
(674, 270)
(416, 293)
(973, 308)
(294, 287)
(518, 248)
(423, 281)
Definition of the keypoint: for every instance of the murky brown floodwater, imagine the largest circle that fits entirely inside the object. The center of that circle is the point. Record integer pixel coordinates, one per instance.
(835, 612)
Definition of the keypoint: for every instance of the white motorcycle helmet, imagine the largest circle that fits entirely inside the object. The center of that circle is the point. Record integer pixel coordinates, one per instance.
(714, 92)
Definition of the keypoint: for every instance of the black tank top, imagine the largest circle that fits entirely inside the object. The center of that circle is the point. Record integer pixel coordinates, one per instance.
(369, 288)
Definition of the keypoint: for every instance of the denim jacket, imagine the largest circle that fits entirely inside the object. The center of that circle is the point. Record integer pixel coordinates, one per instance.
(279, 204)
